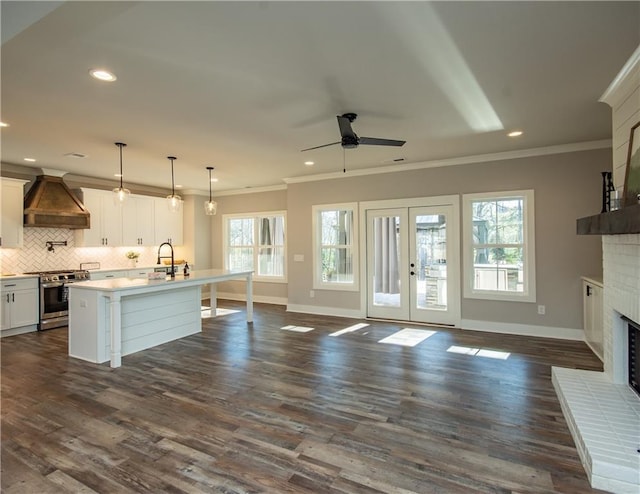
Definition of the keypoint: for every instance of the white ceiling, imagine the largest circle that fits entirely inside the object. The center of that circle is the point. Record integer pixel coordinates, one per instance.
(244, 86)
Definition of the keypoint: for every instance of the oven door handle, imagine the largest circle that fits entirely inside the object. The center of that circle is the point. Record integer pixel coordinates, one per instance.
(53, 284)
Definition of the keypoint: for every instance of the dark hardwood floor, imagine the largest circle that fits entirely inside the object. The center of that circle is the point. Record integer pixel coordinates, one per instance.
(255, 408)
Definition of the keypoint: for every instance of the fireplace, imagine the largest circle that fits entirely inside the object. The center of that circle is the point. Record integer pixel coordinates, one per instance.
(634, 354)
(602, 409)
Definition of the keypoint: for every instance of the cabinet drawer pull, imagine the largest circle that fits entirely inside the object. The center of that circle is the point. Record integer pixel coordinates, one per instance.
(9, 284)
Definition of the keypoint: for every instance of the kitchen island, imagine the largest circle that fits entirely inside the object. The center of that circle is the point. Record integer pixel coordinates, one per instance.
(112, 318)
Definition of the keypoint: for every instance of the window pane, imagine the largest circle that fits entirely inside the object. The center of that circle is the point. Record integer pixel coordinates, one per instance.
(484, 222)
(240, 258)
(337, 265)
(499, 269)
(271, 261)
(509, 221)
(271, 230)
(336, 227)
(241, 231)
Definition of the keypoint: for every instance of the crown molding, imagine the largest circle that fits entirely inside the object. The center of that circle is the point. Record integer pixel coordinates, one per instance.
(250, 190)
(464, 160)
(624, 83)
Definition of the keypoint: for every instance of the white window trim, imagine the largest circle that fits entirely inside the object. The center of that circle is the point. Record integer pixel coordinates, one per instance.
(529, 293)
(258, 215)
(318, 284)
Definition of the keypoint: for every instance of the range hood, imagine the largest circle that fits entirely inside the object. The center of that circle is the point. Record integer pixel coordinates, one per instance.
(51, 204)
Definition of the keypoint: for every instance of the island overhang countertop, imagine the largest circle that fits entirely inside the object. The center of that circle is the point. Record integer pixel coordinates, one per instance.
(200, 277)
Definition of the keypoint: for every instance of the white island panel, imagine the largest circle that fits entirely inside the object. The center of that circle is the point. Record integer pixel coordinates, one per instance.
(112, 318)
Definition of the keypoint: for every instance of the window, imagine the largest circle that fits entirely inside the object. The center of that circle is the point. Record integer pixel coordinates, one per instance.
(256, 241)
(335, 247)
(499, 246)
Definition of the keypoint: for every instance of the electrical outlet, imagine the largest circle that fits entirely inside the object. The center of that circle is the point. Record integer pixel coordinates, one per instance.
(542, 310)
(312, 294)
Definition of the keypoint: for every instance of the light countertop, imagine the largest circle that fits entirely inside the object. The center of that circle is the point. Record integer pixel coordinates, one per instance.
(17, 276)
(140, 285)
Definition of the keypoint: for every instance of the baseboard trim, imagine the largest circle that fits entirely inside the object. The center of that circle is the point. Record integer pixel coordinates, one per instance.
(523, 329)
(326, 311)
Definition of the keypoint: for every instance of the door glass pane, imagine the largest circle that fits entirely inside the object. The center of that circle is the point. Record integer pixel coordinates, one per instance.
(431, 262)
(386, 276)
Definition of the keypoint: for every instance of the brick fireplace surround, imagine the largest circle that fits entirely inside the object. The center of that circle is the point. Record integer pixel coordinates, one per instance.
(601, 409)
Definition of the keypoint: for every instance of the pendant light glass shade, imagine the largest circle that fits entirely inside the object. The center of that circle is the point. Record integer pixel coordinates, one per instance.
(174, 202)
(210, 206)
(120, 194)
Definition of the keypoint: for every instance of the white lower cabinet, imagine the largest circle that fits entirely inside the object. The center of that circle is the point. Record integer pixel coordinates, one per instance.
(107, 275)
(139, 273)
(592, 313)
(20, 305)
(120, 273)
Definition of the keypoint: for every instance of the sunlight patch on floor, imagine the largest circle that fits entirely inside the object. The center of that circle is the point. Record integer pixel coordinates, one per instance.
(205, 312)
(479, 352)
(350, 329)
(408, 337)
(297, 329)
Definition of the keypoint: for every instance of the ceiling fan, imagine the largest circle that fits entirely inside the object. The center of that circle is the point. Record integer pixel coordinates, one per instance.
(350, 139)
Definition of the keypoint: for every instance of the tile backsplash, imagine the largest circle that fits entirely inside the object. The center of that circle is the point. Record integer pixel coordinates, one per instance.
(34, 256)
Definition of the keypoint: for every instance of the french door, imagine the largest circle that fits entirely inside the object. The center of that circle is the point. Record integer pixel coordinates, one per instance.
(413, 263)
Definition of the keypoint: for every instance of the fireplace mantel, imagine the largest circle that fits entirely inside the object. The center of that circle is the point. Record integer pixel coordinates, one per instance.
(620, 222)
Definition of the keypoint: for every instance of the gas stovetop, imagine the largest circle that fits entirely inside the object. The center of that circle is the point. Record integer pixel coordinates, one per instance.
(62, 275)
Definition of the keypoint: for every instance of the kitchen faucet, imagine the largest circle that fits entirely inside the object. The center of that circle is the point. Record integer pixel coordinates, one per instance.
(173, 267)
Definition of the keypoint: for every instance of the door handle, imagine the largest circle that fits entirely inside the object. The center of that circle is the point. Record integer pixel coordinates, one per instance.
(7, 298)
(588, 290)
(13, 297)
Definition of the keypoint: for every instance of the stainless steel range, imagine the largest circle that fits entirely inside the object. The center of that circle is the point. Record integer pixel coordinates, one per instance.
(54, 296)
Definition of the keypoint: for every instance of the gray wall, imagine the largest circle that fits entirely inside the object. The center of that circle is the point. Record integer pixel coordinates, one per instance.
(567, 186)
(247, 203)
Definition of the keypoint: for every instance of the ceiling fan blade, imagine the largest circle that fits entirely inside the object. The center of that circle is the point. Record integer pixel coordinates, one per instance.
(345, 127)
(380, 142)
(323, 146)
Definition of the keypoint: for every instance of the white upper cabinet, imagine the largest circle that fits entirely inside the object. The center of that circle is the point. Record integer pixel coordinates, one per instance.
(12, 212)
(168, 225)
(140, 220)
(106, 220)
(137, 221)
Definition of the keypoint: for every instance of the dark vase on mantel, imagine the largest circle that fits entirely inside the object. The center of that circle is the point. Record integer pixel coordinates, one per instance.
(607, 187)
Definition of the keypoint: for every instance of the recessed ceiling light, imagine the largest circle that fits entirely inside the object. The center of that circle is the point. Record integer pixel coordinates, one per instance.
(309, 163)
(4, 124)
(117, 175)
(178, 186)
(214, 179)
(515, 133)
(102, 75)
(31, 160)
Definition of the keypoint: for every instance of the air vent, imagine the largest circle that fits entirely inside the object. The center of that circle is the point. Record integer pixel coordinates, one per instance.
(75, 155)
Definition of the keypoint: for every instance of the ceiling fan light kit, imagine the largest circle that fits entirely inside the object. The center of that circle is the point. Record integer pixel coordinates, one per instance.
(174, 202)
(120, 194)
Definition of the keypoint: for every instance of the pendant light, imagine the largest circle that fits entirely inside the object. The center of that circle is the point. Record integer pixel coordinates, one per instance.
(173, 201)
(120, 194)
(210, 206)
